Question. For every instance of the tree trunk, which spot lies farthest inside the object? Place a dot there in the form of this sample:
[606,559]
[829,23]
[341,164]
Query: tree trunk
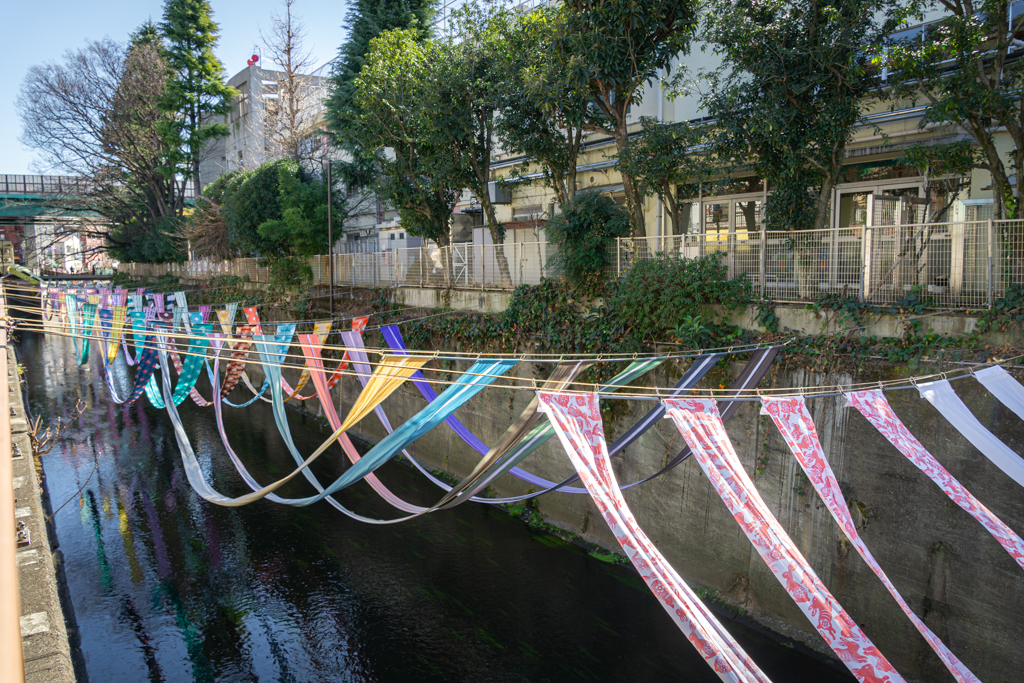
[498,237]
[634,199]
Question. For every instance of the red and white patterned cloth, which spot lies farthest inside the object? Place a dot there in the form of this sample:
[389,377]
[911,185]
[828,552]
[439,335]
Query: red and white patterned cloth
[576,419]
[790,415]
[359,324]
[253,318]
[875,407]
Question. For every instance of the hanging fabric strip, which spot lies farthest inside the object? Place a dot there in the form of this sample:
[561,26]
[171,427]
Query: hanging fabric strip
[576,419]
[1003,386]
[204,312]
[225,322]
[89,313]
[874,406]
[699,422]
[359,324]
[158,301]
[321,330]
[793,420]
[239,354]
[147,359]
[139,335]
[179,314]
[194,359]
[560,377]
[941,395]
[253,318]
[116,330]
[240,467]
[393,337]
[106,318]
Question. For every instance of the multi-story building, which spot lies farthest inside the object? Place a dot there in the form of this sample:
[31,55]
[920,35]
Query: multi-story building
[256,131]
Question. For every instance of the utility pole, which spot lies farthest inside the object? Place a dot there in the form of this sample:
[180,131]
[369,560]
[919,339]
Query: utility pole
[330,219]
[330,231]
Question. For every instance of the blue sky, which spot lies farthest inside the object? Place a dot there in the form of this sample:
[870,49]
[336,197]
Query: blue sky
[38,32]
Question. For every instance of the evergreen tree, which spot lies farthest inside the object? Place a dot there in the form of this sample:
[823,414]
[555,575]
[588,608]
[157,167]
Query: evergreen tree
[146,34]
[196,90]
[366,20]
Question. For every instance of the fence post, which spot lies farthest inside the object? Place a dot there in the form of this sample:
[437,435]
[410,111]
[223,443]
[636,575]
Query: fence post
[991,284]
[421,265]
[764,257]
[618,257]
[865,255]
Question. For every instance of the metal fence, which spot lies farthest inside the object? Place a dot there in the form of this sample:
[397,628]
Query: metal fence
[952,265]
[460,266]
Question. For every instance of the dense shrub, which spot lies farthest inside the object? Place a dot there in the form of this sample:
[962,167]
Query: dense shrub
[252,198]
[582,233]
[668,298]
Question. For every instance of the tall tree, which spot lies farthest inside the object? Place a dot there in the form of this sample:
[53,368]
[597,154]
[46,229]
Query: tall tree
[367,19]
[95,116]
[796,77]
[195,91]
[462,93]
[393,98]
[966,68]
[610,50]
[291,112]
[663,163]
[540,114]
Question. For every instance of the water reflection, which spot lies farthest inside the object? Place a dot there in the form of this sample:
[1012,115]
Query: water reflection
[166,587]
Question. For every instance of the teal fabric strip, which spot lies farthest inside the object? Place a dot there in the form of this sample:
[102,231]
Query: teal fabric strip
[194,360]
[481,374]
[285,333]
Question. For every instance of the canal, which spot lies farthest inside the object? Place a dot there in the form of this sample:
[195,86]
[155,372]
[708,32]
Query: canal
[166,587]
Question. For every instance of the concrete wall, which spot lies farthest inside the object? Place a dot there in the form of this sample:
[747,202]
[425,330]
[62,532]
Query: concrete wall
[948,568]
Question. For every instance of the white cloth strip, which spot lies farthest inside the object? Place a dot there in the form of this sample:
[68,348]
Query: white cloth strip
[941,395]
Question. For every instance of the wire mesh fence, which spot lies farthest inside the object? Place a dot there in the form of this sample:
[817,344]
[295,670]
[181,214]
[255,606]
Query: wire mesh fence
[948,265]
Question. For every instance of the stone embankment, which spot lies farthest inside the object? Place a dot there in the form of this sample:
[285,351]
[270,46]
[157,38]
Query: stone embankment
[44,633]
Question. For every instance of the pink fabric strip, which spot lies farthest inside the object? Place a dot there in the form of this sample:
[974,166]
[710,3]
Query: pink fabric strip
[875,407]
[790,415]
[701,425]
[576,419]
[309,343]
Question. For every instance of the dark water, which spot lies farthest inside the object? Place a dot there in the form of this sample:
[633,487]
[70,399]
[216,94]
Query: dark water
[166,587]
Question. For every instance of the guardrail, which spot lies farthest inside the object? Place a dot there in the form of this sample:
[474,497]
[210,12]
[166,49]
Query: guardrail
[11,655]
[953,265]
[460,266]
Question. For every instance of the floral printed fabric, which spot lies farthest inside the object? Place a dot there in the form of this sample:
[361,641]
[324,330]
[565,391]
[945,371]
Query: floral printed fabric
[875,407]
[577,421]
[791,417]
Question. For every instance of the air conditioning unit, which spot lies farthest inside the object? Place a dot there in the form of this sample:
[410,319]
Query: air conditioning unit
[499,194]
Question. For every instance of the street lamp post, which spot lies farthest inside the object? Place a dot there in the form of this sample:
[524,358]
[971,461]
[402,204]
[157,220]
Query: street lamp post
[330,232]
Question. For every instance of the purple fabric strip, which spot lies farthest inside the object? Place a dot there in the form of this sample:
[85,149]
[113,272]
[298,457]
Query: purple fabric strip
[393,337]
